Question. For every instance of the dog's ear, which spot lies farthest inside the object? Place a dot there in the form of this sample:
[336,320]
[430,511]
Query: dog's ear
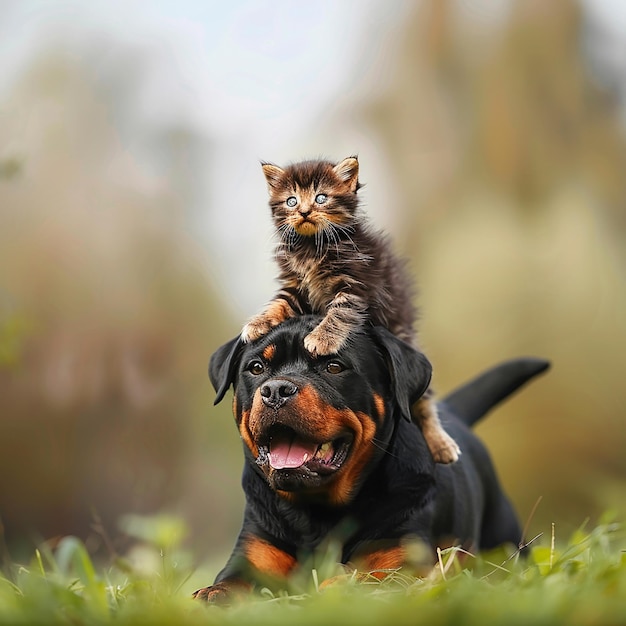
[223,366]
[409,369]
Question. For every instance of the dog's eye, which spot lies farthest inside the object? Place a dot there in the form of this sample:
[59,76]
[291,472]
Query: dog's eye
[320,198]
[256,368]
[334,367]
[292,201]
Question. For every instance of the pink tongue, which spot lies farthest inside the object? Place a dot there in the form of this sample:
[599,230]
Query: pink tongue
[288,452]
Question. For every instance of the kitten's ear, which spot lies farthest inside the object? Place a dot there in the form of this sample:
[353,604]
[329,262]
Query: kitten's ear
[274,176]
[348,172]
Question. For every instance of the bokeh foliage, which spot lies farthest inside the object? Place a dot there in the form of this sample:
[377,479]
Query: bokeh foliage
[506,155]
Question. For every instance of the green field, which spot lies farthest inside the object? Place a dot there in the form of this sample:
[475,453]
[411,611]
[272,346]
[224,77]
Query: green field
[575,580]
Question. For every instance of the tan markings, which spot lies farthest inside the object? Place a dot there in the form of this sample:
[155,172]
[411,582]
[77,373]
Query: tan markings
[244,431]
[269,352]
[235,406]
[327,423]
[287,495]
[267,558]
[314,418]
[386,559]
[342,489]
[379,403]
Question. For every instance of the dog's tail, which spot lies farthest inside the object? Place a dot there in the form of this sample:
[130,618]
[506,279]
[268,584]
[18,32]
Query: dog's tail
[476,398]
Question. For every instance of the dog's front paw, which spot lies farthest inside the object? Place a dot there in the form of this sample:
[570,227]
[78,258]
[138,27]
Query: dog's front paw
[321,343]
[223,593]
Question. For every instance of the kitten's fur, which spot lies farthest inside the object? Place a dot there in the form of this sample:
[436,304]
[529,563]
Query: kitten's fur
[333,263]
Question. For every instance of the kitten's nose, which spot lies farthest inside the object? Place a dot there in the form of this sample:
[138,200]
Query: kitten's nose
[304,210]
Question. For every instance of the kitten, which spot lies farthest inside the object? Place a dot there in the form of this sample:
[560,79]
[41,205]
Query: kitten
[333,263]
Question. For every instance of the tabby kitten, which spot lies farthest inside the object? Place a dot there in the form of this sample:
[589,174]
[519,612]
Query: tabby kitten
[333,263]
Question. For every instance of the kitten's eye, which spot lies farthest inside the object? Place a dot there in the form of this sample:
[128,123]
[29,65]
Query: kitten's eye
[320,198]
[334,367]
[256,367]
[292,201]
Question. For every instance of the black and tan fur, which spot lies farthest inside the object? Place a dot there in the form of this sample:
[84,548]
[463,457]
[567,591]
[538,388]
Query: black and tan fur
[369,481]
[332,263]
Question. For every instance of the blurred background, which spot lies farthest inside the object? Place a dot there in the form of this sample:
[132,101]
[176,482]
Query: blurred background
[135,236]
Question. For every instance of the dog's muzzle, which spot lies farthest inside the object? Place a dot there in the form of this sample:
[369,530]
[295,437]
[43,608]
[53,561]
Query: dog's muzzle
[276,393]
[291,454]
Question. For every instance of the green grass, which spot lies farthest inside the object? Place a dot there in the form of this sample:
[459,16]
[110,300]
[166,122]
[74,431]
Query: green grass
[580,580]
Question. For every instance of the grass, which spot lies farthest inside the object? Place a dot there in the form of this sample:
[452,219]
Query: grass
[578,581]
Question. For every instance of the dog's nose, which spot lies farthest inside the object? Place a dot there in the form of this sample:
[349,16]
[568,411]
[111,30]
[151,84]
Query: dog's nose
[276,392]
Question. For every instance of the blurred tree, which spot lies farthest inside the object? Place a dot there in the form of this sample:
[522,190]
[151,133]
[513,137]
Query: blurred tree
[509,160]
[108,411]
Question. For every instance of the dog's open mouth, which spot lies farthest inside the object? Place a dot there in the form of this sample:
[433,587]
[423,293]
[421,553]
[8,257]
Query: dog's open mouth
[299,462]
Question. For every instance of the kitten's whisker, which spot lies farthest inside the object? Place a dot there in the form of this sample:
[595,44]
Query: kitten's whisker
[318,243]
[345,231]
[284,231]
[347,228]
[384,447]
[327,230]
[332,235]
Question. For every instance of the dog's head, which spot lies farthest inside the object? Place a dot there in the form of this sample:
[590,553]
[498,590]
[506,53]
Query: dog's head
[315,426]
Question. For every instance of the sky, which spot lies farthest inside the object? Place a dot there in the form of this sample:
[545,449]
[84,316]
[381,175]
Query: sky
[260,79]
[248,61]
[263,79]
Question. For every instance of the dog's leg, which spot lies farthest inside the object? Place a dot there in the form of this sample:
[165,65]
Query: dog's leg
[370,563]
[380,563]
[253,560]
[443,447]
[223,592]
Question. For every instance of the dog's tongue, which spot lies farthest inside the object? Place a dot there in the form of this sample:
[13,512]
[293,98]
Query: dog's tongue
[288,451]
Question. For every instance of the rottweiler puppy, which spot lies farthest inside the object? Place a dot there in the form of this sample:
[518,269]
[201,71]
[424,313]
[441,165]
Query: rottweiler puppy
[330,447]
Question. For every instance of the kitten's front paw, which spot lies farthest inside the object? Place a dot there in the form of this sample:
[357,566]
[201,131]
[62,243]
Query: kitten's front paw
[320,343]
[444,449]
[255,329]
[276,313]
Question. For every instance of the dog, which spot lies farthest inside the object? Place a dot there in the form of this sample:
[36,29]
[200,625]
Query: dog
[329,444]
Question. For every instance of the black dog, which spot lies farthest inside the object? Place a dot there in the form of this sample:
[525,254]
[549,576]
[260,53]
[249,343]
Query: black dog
[329,444]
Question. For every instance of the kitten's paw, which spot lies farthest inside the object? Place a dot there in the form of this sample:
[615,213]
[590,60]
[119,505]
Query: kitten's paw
[276,313]
[255,329]
[321,343]
[444,449]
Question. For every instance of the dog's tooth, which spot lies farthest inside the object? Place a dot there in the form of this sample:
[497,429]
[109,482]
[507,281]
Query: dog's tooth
[323,450]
